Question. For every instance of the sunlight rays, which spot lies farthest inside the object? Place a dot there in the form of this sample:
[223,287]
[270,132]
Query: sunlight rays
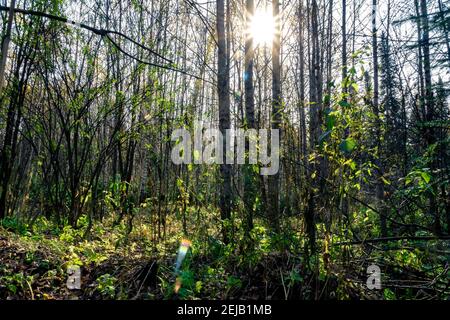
[262,27]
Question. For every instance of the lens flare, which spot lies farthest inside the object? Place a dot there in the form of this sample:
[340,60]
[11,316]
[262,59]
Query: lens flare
[182,251]
[262,27]
[184,247]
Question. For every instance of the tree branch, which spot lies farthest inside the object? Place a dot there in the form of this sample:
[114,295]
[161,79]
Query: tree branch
[388,239]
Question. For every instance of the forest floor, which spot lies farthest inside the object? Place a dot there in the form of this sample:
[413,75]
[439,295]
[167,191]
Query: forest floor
[116,264]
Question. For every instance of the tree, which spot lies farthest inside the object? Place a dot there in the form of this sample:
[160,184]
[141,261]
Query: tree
[5,42]
[430,137]
[378,121]
[249,178]
[223,88]
[344,45]
[315,119]
[277,105]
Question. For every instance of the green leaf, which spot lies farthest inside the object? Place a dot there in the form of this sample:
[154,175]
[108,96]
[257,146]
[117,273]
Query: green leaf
[331,121]
[12,288]
[348,145]
[385,181]
[352,165]
[344,104]
[388,294]
[425,176]
[198,286]
[407,181]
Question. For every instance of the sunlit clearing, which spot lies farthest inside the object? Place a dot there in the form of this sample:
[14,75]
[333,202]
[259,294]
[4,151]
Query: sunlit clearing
[262,27]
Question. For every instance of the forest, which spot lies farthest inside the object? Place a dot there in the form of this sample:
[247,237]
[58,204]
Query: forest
[227,149]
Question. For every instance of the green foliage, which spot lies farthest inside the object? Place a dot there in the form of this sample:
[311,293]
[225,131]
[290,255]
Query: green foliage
[348,145]
[233,284]
[294,278]
[15,224]
[92,183]
[419,178]
[17,281]
[71,235]
[189,286]
[106,285]
[388,294]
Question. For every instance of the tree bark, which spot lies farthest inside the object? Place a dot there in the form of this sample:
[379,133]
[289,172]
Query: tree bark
[223,86]
[5,44]
[344,45]
[249,179]
[378,131]
[303,140]
[430,135]
[274,180]
[445,28]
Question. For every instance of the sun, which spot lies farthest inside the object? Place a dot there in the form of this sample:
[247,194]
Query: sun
[262,27]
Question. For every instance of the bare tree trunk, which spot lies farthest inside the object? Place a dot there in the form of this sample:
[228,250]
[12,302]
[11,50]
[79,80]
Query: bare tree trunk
[315,78]
[420,63]
[315,118]
[378,131]
[249,179]
[274,180]
[303,140]
[445,28]
[426,60]
[375,62]
[223,87]
[5,44]
[344,45]
[430,135]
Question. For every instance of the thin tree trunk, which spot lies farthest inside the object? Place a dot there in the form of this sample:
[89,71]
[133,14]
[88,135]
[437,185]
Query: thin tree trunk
[274,180]
[344,45]
[430,135]
[445,28]
[378,131]
[5,44]
[249,179]
[223,87]
[303,140]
